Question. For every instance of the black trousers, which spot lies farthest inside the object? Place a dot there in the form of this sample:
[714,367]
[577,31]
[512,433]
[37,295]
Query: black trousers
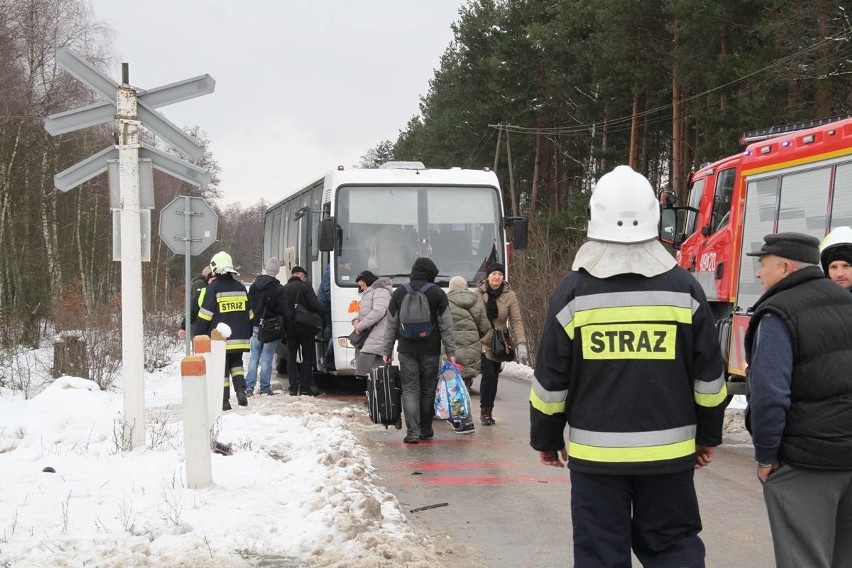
[655,515]
[234,369]
[300,381]
[488,382]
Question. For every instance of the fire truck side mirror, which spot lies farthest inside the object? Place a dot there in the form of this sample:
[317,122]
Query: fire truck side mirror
[668,226]
[668,198]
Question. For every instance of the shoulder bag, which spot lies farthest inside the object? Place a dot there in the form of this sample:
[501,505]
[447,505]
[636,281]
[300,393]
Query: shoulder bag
[358,340]
[305,322]
[501,344]
[271,326]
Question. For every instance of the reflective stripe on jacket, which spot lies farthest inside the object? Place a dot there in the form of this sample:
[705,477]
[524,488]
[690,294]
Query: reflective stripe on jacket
[633,366]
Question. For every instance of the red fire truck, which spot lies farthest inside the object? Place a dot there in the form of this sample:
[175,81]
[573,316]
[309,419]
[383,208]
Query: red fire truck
[795,178]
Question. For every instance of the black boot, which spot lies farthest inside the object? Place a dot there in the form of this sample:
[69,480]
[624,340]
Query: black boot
[226,395]
[240,390]
[485,416]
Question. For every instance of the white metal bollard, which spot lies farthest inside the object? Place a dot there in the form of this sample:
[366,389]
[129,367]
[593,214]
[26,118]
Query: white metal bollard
[216,373]
[196,425]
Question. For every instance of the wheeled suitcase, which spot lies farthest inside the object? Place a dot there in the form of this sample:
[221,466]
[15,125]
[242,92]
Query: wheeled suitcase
[384,396]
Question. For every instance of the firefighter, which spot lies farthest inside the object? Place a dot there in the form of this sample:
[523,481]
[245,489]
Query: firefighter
[226,301]
[836,256]
[629,360]
[196,301]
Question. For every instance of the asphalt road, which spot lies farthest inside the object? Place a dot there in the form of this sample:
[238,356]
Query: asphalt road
[496,506]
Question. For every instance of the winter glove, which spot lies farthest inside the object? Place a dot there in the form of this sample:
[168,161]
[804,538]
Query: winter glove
[522,353]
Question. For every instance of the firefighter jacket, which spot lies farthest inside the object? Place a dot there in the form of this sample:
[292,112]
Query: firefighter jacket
[818,316]
[632,365]
[194,306]
[226,301]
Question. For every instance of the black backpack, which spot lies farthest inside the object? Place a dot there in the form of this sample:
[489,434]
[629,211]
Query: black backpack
[415,316]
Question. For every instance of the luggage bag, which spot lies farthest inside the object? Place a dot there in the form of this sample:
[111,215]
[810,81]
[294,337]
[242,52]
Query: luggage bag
[384,396]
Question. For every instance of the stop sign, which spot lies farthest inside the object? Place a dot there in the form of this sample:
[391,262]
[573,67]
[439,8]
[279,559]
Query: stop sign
[188,219]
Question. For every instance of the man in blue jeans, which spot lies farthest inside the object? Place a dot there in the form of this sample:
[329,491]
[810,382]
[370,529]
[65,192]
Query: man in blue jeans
[262,353]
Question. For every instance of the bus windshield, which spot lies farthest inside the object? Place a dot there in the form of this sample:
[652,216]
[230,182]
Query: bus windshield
[384,229]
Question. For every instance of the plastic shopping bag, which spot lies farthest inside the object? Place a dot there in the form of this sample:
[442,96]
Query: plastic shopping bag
[452,401]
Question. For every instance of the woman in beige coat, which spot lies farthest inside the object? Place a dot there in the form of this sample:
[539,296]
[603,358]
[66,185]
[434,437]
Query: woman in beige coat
[502,309]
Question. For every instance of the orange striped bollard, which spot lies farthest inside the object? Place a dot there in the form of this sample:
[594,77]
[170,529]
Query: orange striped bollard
[202,345]
[196,424]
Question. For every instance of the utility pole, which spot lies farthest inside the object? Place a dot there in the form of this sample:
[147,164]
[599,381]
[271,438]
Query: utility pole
[511,177]
[497,150]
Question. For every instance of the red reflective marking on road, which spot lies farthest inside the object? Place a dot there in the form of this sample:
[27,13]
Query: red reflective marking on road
[489,479]
[445,466]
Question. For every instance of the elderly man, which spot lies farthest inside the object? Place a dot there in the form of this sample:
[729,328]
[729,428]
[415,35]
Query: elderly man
[799,350]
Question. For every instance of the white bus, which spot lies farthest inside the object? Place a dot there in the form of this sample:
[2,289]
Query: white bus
[382,220]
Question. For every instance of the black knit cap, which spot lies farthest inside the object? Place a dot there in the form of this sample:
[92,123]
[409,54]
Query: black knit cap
[298,269]
[792,246]
[367,276]
[497,267]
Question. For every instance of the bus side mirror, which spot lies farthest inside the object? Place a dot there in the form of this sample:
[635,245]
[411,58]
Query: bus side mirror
[520,229]
[327,234]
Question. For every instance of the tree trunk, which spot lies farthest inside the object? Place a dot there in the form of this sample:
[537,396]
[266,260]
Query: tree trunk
[677,164]
[48,203]
[555,203]
[824,93]
[5,222]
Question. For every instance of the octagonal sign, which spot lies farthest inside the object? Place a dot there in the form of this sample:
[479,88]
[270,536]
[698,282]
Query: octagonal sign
[188,219]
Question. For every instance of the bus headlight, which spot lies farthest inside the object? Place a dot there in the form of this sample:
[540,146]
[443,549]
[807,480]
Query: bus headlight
[343,341]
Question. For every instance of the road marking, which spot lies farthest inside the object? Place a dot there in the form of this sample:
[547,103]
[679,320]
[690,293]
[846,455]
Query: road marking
[468,473]
[486,479]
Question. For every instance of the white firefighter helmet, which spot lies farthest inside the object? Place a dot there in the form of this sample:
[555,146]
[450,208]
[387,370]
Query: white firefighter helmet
[838,240]
[623,208]
[221,263]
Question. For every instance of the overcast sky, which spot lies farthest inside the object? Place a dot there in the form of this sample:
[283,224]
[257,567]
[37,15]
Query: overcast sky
[301,85]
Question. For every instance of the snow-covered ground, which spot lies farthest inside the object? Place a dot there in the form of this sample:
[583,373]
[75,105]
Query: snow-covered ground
[298,490]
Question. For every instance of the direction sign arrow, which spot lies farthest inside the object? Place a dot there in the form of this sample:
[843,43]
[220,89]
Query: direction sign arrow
[104,111]
[181,169]
[87,74]
[179,91]
[85,170]
[78,118]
